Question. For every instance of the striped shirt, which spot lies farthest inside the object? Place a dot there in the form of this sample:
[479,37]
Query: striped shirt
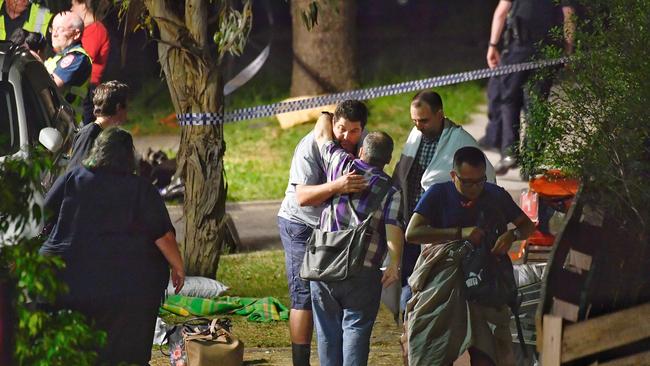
[338,214]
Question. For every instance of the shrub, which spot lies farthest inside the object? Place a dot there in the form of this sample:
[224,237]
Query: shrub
[596,125]
[41,337]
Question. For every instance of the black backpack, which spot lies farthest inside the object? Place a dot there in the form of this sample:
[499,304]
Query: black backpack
[489,279]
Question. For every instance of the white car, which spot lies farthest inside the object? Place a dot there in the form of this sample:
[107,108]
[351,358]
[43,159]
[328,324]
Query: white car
[32,112]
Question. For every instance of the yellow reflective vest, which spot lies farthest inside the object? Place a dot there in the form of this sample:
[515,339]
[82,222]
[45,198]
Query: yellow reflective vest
[38,21]
[71,92]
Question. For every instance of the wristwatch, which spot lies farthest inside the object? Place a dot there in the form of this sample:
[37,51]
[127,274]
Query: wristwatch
[517,234]
[493,44]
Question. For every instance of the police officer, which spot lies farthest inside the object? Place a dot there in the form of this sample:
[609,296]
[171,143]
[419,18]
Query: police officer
[16,14]
[70,67]
[528,25]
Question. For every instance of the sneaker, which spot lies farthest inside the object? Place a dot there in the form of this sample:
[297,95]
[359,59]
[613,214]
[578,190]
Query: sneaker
[485,145]
[506,163]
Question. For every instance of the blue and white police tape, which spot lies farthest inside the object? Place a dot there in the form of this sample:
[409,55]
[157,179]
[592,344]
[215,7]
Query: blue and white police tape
[204,119]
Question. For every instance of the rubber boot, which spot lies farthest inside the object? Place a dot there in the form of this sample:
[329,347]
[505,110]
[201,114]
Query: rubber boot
[300,354]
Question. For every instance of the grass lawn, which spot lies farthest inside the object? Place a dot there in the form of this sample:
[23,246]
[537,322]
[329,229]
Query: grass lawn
[260,274]
[257,274]
[259,152]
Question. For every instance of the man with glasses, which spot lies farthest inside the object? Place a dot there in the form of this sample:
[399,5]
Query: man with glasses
[459,210]
[426,159]
[71,66]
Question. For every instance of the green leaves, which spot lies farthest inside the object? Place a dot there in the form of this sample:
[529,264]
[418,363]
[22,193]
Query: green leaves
[42,337]
[233,30]
[595,125]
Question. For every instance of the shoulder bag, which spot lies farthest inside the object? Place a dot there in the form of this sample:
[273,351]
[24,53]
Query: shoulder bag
[336,255]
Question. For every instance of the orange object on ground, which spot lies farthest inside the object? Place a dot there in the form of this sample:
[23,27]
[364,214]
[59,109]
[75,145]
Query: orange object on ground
[554,184]
[170,120]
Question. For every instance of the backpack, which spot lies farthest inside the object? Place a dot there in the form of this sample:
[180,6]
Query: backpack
[489,279]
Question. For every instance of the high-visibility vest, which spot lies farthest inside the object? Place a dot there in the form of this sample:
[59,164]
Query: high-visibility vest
[78,92]
[38,21]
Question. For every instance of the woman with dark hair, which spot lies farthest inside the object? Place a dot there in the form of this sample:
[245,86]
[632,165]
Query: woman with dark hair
[96,41]
[113,231]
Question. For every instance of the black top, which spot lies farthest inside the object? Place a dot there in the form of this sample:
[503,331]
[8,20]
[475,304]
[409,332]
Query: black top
[106,226]
[535,18]
[12,24]
[83,143]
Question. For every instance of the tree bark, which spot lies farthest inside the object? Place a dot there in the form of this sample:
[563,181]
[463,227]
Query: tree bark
[195,85]
[324,59]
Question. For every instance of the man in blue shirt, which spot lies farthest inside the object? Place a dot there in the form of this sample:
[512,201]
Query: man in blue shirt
[458,210]
[71,66]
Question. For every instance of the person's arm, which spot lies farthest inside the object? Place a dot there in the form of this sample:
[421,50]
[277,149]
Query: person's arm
[498,23]
[569,28]
[323,130]
[420,232]
[57,80]
[54,199]
[525,227]
[395,241]
[169,248]
[315,195]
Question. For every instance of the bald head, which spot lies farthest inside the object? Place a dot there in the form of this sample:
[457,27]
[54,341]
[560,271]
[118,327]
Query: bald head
[67,28]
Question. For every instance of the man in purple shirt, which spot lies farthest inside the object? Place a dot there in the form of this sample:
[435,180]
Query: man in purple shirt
[345,311]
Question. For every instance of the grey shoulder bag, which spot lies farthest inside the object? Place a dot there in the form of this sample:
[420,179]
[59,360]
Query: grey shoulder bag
[336,255]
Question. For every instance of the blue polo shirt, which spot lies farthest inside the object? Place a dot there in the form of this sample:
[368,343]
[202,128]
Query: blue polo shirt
[73,68]
[444,207]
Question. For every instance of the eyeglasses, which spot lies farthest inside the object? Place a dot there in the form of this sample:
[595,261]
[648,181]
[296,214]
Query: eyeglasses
[60,30]
[468,183]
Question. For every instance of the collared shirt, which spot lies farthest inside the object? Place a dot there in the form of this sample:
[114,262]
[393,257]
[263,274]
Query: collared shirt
[12,24]
[338,215]
[74,67]
[306,169]
[425,153]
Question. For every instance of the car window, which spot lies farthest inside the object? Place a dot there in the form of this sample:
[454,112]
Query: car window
[38,111]
[9,134]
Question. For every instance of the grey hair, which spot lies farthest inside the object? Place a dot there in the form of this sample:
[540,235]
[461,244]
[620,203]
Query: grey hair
[75,21]
[113,150]
[378,148]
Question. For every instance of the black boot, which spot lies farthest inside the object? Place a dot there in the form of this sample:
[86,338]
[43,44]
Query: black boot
[300,354]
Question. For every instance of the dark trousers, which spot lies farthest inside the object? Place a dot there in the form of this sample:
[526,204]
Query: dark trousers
[129,323]
[493,129]
[508,95]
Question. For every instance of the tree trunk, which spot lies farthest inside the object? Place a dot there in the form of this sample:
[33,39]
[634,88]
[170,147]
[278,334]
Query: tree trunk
[195,86]
[324,59]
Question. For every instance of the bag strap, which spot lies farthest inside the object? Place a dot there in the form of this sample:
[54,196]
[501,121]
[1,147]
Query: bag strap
[520,332]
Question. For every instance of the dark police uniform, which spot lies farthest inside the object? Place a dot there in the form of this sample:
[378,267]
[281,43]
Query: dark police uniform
[528,25]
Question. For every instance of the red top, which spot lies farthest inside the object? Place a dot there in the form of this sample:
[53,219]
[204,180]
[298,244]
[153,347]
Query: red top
[96,42]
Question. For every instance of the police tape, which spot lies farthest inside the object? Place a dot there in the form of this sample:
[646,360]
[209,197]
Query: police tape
[205,119]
